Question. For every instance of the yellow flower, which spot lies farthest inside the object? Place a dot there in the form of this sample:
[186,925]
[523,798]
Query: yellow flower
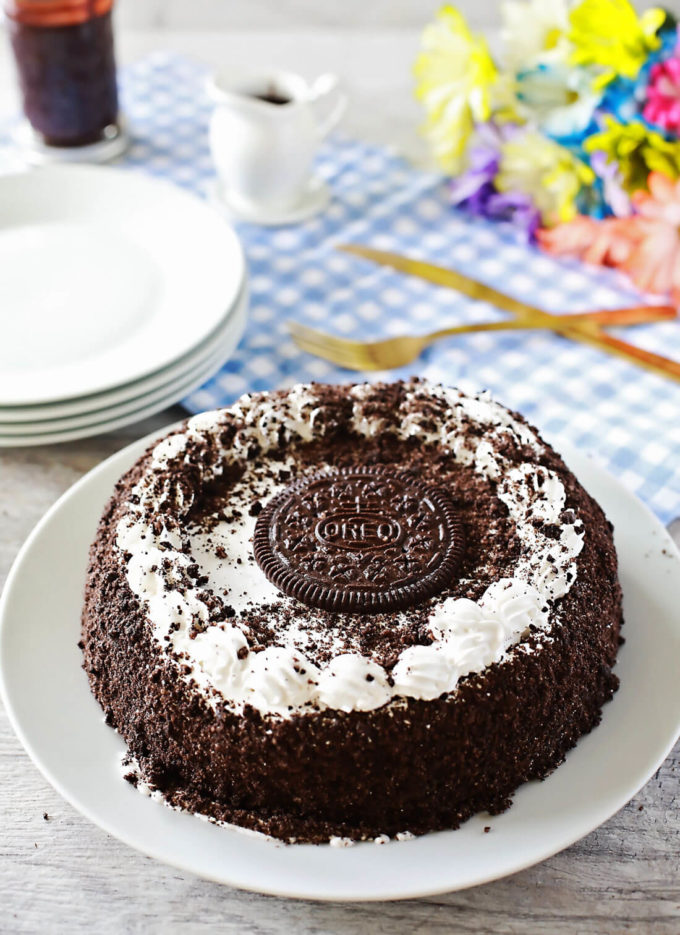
[534,31]
[537,166]
[637,150]
[455,75]
[609,34]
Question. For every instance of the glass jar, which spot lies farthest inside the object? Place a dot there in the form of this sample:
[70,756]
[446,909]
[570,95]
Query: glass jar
[67,71]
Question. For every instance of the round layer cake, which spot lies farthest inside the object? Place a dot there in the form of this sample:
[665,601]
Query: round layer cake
[338,612]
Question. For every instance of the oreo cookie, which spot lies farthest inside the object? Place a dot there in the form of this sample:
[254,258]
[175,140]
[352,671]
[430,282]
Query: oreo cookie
[362,540]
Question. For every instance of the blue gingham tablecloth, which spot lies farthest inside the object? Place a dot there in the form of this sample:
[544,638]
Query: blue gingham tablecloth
[629,419]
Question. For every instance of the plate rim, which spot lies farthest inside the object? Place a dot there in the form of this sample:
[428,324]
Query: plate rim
[188,384]
[133,177]
[124,458]
[232,325]
[135,388]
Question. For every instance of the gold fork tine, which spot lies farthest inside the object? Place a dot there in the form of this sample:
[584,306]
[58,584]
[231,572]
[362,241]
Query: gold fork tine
[316,342]
[347,362]
[339,351]
[384,354]
[327,353]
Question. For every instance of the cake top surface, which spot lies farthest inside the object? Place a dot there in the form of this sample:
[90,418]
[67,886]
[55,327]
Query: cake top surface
[348,547]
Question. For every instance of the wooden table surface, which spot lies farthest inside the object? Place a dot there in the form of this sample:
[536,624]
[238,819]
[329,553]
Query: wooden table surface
[61,874]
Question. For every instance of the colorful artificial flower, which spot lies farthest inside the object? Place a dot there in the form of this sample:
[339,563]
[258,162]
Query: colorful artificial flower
[576,141]
[561,100]
[605,243]
[611,180]
[483,157]
[645,245]
[515,208]
[455,77]
[637,150]
[551,175]
[610,35]
[661,202]
[534,32]
[475,190]
[624,98]
[654,265]
[663,95]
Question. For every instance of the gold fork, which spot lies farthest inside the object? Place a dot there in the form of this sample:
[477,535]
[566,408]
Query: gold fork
[390,353]
[398,351]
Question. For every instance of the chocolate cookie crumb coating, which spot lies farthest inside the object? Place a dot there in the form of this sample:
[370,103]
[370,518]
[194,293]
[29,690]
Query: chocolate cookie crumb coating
[305,723]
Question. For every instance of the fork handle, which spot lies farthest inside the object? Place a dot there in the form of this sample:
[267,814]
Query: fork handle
[593,334]
[662,366]
[528,321]
[635,315]
[590,334]
[479,291]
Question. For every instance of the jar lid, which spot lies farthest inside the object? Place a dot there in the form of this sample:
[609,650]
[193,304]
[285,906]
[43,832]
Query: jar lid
[55,12]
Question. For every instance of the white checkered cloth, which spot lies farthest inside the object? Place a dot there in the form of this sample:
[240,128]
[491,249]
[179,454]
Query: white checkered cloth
[629,419]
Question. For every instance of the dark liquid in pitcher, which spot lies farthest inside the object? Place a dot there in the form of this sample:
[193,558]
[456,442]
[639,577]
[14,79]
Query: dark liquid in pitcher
[67,75]
[271,97]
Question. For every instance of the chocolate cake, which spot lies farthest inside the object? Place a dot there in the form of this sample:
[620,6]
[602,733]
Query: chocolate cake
[344,612]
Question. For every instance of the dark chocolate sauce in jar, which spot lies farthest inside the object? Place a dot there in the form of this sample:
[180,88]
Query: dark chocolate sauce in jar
[67,72]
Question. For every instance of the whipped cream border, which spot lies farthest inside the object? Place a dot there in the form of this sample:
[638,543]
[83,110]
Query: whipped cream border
[467,636]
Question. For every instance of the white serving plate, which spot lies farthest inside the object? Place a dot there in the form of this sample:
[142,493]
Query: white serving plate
[60,724]
[107,276]
[210,358]
[83,426]
[133,390]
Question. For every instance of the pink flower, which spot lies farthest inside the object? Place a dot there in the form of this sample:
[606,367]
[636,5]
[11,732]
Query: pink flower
[605,243]
[663,95]
[662,200]
[646,245]
[654,264]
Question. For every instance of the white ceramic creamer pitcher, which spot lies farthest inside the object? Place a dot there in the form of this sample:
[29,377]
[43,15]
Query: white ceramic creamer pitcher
[264,134]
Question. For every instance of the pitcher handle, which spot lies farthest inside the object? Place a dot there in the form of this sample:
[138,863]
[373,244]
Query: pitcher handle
[327,93]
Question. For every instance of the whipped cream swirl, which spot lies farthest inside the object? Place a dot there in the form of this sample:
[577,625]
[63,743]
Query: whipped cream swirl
[467,636]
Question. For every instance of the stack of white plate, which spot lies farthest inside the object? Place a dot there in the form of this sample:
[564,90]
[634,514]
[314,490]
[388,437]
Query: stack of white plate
[119,295]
